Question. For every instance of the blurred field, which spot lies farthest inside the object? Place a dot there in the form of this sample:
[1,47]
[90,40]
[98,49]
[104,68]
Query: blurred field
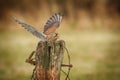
[95,55]
[91,29]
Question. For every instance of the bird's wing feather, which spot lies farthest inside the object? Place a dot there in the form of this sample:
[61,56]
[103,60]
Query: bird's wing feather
[55,19]
[31,30]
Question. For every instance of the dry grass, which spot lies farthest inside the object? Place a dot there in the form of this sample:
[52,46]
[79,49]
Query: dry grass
[94,54]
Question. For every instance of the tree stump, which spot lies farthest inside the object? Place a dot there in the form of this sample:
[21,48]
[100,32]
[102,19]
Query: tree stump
[48,60]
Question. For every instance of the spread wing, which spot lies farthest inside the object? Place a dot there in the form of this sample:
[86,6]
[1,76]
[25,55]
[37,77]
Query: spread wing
[53,23]
[31,30]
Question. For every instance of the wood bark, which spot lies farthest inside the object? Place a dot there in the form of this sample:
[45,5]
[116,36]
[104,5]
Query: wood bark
[48,60]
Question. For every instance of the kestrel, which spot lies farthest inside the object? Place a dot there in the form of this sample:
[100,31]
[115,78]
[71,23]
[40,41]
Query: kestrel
[49,29]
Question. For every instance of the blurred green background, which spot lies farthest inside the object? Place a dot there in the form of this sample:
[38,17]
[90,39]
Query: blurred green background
[91,29]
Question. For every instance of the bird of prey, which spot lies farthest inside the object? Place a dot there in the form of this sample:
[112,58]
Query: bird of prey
[49,29]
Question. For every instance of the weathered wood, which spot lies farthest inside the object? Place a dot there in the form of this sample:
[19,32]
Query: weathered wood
[48,60]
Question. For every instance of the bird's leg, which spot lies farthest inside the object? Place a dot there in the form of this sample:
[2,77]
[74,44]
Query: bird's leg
[49,37]
[56,36]
[30,59]
[52,37]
